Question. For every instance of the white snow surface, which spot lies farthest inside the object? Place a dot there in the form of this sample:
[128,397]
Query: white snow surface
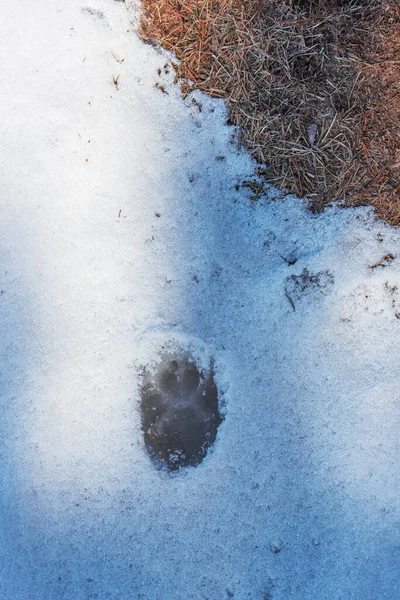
[122,229]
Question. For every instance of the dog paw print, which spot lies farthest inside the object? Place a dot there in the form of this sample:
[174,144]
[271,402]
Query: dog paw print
[179,411]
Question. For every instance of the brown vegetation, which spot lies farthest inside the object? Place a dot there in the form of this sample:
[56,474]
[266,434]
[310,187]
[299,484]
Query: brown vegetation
[312,85]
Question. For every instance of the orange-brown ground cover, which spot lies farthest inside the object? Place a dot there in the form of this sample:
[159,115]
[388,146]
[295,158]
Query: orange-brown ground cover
[312,85]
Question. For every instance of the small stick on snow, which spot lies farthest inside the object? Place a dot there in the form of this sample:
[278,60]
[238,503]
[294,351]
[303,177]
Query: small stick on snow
[117,59]
[382,263]
[290,300]
[115,80]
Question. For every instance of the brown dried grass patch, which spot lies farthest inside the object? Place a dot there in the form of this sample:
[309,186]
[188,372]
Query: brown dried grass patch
[312,85]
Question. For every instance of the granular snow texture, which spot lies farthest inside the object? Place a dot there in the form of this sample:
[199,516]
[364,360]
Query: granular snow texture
[122,230]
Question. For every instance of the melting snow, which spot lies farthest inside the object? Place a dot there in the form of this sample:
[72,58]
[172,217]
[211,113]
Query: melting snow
[123,229]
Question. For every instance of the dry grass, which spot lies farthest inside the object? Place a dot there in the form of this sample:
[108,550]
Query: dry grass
[313,86]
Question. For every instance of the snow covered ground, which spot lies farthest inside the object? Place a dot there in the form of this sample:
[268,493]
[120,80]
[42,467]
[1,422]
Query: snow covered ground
[121,229]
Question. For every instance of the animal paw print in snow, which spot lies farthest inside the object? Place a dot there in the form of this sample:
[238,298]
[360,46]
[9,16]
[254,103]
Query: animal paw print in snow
[180,414]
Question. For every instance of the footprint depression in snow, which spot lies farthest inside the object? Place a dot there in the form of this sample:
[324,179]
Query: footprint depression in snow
[180,413]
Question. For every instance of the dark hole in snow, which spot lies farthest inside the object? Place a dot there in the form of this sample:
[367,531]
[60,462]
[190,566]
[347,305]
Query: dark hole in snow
[180,413]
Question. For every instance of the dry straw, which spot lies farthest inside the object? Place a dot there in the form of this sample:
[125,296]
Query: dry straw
[312,85]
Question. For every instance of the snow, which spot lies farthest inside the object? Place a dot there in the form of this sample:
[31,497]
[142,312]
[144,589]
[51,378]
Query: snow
[110,248]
